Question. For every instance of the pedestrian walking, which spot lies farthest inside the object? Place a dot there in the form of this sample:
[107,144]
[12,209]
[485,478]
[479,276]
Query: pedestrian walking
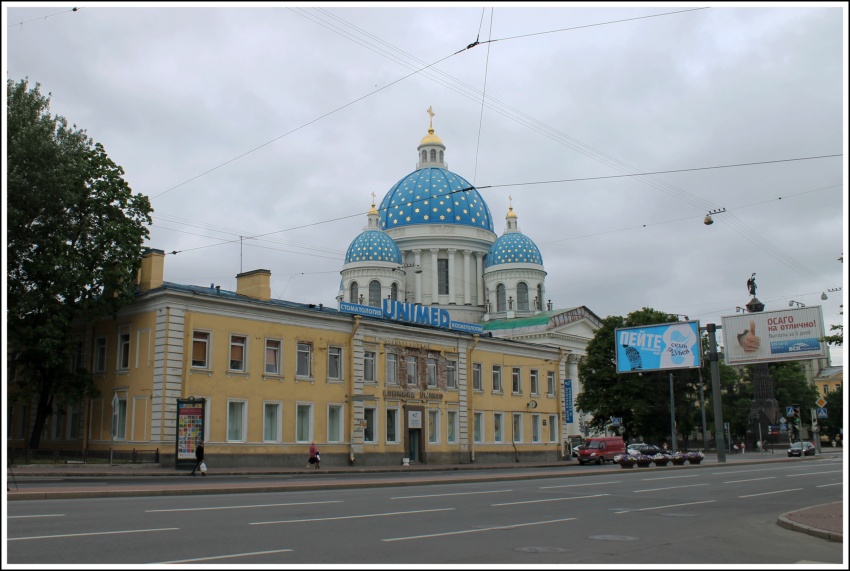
[199,456]
[315,458]
[743,447]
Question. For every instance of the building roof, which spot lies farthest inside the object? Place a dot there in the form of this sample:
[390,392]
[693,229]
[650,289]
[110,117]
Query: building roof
[513,248]
[373,246]
[831,374]
[544,320]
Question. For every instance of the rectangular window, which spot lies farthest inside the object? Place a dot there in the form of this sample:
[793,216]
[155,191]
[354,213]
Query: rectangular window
[335,363]
[477,427]
[334,423]
[392,425]
[535,383]
[303,423]
[443,276]
[273,356]
[431,372]
[497,379]
[119,419]
[433,426]
[451,374]
[73,431]
[369,367]
[516,380]
[550,383]
[238,344]
[517,427]
[200,349]
[412,371]
[392,369]
[477,384]
[535,428]
[304,360]
[22,421]
[498,436]
[826,390]
[236,419]
[369,415]
[124,351]
[451,427]
[99,365]
[271,422]
[553,428]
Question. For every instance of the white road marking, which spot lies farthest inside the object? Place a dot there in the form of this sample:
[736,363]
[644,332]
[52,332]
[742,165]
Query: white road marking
[479,530]
[668,488]
[665,507]
[768,493]
[578,485]
[245,507]
[670,477]
[455,494]
[350,517]
[814,473]
[750,480]
[95,533]
[43,515]
[825,485]
[247,554]
[549,500]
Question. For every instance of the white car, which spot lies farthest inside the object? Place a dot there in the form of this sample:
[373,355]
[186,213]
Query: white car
[633,449]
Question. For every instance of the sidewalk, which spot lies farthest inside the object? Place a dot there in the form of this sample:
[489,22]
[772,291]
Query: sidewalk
[824,521]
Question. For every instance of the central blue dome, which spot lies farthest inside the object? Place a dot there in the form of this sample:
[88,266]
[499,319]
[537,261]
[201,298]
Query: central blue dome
[433,195]
[513,248]
[373,246]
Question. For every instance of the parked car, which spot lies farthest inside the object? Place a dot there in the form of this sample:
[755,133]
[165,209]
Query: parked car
[576,450]
[808,449]
[601,449]
[651,450]
[633,448]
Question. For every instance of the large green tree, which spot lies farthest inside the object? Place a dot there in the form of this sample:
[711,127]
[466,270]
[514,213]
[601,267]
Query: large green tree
[75,235]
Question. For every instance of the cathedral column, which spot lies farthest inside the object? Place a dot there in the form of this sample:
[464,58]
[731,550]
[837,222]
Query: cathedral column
[435,298]
[479,276]
[417,276]
[452,280]
[467,298]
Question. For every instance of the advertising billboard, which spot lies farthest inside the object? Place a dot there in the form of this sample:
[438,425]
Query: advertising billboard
[658,347]
[785,335]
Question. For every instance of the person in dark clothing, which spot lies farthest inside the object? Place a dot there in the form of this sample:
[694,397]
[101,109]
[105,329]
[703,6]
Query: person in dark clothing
[199,456]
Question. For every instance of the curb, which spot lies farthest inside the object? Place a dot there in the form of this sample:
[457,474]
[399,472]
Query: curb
[783,521]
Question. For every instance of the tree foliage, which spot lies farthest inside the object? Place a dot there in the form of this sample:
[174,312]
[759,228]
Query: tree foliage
[74,242]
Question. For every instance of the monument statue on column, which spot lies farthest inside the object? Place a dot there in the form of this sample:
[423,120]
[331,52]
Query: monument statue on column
[764,409]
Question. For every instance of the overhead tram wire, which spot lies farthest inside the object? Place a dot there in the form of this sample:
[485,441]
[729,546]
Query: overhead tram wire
[483,95]
[43,18]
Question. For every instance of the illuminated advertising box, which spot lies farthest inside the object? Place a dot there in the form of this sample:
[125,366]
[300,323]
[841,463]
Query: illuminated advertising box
[785,335]
[658,347]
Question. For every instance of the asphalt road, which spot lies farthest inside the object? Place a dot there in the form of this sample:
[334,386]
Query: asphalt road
[724,514]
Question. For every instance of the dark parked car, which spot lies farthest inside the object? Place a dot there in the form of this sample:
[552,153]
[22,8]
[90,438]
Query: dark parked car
[651,450]
[808,449]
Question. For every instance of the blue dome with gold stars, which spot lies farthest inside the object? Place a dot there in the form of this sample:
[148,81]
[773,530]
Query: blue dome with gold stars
[434,195]
[373,246]
[513,248]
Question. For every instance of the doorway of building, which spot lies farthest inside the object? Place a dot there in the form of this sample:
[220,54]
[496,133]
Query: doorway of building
[413,441]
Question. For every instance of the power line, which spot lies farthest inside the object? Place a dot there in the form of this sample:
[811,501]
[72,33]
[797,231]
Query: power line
[42,18]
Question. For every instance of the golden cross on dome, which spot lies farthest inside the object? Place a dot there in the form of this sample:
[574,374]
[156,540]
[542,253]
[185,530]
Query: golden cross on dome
[510,201]
[373,198]
[431,113]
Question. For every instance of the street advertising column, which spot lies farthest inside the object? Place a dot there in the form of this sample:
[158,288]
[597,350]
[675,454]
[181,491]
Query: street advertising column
[190,431]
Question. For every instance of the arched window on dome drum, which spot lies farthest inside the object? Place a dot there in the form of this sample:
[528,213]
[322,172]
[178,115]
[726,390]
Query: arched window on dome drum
[522,296]
[375,293]
[424,155]
[441,156]
[433,156]
[394,292]
[353,292]
[540,297]
[500,298]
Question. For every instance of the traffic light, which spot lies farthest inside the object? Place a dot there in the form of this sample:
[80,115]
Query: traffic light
[797,417]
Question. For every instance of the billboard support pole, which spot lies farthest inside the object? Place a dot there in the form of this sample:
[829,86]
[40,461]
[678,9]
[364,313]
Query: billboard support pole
[711,328]
[702,410]
[672,415]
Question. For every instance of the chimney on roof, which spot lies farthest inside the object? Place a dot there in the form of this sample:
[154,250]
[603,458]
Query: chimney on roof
[152,269]
[255,284]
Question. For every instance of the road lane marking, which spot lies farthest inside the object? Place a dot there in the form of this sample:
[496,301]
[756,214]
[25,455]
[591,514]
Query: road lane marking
[350,517]
[245,507]
[786,468]
[750,480]
[548,500]
[825,485]
[247,554]
[671,477]
[665,507]
[478,530]
[578,485]
[43,515]
[94,533]
[454,494]
[768,493]
[814,473]
[668,488]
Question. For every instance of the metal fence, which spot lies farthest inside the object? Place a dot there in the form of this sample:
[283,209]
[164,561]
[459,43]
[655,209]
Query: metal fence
[37,456]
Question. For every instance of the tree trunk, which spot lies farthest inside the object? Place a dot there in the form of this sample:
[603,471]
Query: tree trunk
[45,404]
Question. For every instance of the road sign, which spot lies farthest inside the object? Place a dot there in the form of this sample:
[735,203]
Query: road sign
[616,421]
[821,402]
[821,412]
[783,427]
[783,420]
[789,410]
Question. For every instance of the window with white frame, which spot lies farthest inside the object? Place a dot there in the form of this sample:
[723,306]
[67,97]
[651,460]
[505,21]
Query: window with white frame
[497,378]
[535,428]
[451,374]
[371,430]
[335,423]
[451,426]
[443,277]
[335,363]
[498,422]
[237,420]
[517,427]
[238,346]
[272,417]
[553,428]
[477,427]
[522,296]
[369,367]
[303,422]
[124,349]
[550,383]
[201,349]
[392,369]
[375,293]
[99,364]
[304,360]
[392,426]
[433,426]
[119,418]
[354,293]
[516,380]
[431,372]
[273,353]
[535,382]
[477,384]
[412,370]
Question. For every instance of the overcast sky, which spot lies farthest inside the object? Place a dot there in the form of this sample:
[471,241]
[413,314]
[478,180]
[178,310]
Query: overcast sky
[277,122]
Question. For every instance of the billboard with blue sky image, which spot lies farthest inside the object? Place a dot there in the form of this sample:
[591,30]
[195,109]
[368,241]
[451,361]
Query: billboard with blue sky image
[658,347]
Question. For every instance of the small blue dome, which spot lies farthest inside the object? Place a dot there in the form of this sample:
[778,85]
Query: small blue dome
[513,248]
[373,246]
[432,195]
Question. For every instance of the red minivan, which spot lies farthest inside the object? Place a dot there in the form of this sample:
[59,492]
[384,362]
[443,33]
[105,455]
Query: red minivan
[601,449]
